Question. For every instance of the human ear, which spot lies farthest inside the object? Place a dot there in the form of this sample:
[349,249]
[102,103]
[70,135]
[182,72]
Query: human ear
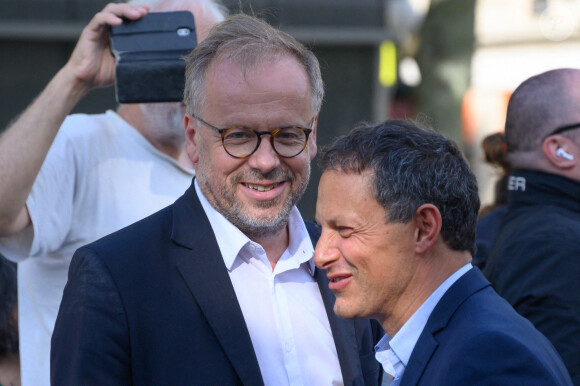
[428,224]
[555,148]
[190,138]
[312,147]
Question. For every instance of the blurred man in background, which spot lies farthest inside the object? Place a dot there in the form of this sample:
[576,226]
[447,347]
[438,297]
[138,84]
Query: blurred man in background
[68,180]
[534,261]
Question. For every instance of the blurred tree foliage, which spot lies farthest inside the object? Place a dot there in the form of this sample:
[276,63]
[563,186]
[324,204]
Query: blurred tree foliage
[445,48]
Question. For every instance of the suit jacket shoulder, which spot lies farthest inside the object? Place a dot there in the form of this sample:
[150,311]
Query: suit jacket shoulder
[166,310]
[473,336]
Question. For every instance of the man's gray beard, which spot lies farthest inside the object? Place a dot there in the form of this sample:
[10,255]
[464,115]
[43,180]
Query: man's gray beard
[251,226]
[258,227]
[167,120]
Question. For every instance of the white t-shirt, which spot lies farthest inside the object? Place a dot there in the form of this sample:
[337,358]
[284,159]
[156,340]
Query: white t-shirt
[100,175]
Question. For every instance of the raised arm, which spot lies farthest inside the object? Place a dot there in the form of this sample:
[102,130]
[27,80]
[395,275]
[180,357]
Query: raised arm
[25,143]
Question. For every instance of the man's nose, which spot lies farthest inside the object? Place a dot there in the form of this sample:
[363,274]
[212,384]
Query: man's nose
[265,157]
[325,254]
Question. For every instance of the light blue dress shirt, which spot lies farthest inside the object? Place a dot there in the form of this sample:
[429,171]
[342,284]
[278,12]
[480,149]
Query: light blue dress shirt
[394,353]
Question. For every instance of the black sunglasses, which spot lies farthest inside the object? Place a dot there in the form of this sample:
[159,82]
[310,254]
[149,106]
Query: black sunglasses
[562,129]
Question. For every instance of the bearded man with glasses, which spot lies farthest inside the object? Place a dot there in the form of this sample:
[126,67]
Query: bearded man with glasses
[534,261]
[220,287]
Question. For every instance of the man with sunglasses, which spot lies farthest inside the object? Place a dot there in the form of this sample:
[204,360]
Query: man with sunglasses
[534,261]
[220,287]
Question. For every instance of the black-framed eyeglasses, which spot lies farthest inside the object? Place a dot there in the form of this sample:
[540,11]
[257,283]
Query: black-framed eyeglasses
[562,129]
[241,142]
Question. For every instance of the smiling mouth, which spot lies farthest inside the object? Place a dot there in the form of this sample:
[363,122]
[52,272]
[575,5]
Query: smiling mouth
[261,188]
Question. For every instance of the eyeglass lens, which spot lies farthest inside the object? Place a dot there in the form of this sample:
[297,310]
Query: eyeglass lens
[287,142]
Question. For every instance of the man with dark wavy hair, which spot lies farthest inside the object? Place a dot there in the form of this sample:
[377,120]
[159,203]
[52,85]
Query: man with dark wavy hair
[398,205]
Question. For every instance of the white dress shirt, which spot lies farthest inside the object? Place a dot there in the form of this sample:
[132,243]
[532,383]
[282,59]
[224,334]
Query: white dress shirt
[394,353]
[283,308]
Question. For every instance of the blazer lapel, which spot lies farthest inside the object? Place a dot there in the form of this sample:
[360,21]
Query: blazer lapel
[343,333]
[204,272]
[421,355]
[471,282]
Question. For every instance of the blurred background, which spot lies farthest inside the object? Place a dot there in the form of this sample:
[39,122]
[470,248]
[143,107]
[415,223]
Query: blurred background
[449,63]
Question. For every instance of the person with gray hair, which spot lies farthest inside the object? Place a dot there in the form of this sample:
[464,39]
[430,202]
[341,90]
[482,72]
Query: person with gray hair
[67,180]
[220,288]
[398,205]
[534,260]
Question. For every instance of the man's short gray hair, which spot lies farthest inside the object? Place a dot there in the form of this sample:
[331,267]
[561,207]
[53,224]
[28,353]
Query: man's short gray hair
[538,106]
[247,41]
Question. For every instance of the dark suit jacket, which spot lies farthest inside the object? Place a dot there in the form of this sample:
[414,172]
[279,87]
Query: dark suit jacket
[474,337]
[153,304]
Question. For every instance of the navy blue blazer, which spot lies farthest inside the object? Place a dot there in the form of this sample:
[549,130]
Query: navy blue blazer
[153,304]
[474,337]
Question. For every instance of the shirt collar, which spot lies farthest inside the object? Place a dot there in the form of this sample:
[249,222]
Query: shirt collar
[396,351]
[231,241]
